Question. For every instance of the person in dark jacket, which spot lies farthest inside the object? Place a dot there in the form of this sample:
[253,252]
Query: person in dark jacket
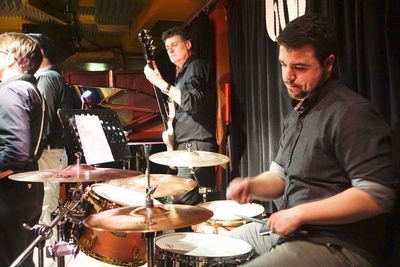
[22,123]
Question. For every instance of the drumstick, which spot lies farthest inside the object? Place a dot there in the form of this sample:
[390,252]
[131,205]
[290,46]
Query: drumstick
[251,219]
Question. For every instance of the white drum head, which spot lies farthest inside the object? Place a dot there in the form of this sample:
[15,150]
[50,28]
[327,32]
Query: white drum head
[227,209]
[121,195]
[203,245]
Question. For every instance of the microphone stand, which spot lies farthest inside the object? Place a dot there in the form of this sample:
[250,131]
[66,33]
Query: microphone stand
[44,232]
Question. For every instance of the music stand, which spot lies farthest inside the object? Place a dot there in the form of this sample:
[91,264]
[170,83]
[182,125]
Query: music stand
[110,124]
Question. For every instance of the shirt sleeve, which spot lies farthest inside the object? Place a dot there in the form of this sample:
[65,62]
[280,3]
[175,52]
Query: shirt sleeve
[365,154]
[277,169]
[384,196]
[364,150]
[193,90]
[14,131]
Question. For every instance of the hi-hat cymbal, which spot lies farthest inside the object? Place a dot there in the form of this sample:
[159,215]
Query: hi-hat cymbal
[74,174]
[160,218]
[167,185]
[186,158]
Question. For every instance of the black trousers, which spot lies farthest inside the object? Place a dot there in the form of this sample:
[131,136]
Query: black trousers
[204,176]
[19,203]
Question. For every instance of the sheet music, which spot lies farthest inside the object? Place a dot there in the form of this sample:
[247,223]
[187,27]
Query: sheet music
[94,142]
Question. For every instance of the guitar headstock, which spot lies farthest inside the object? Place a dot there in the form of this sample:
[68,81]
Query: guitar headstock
[147,43]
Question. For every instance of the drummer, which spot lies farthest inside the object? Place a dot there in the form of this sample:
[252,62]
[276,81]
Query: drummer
[22,122]
[194,93]
[333,168]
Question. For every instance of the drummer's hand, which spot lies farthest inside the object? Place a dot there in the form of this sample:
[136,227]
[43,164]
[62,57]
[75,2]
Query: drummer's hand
[154,75]
[284,222]
[238,190]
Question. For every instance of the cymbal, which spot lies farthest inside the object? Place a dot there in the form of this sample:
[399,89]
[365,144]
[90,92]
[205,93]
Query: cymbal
[185,158]
[73,174]
[161,218]
[167,185]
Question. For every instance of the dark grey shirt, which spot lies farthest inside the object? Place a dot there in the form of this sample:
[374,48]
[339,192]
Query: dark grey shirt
[195,117]
[53,88]
[335,138]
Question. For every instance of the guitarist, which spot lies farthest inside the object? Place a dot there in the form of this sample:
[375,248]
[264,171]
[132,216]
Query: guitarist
[194,95]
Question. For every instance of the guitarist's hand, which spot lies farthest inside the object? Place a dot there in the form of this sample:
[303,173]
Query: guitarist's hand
[154,76]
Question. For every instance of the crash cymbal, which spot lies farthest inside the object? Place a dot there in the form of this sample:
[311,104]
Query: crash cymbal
[167,185]
[186,158]
[73,174]
[160,218]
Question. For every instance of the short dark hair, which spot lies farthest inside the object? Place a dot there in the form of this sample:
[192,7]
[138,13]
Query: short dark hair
[310,29]
[46,45]
[25,50]
[175,31]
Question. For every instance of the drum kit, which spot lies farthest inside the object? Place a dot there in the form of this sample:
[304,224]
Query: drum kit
[119,226]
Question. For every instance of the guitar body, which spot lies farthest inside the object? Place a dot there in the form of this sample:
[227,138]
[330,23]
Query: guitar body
[167,117]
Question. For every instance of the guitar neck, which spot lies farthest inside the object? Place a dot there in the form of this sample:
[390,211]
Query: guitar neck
[161,106]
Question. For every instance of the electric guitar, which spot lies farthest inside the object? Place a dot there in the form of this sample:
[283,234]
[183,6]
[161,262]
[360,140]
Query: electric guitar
[167,117]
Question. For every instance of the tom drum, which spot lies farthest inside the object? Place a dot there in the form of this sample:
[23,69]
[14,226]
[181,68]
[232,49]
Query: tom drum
[224,218]
[124,249]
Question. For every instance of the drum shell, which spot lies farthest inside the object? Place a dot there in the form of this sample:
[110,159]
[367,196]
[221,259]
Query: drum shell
[124,249]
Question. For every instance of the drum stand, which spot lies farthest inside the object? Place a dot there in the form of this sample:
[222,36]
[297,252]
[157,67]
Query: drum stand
[44,232]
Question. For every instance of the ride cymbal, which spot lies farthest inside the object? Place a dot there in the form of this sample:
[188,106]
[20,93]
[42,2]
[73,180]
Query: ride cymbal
[167,185]
[74,174]
[188,158]
[144,220]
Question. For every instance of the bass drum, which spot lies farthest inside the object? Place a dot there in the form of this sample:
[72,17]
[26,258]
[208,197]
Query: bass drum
[123,249]
[224,218]
[197,249]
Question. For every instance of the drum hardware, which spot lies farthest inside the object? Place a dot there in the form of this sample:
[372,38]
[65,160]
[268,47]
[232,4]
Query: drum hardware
[167,184]
[43,232]
[76,173]
[117,248]
[189,158]
[147,219]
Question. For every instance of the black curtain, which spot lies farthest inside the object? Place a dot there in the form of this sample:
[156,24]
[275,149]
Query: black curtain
[259,100]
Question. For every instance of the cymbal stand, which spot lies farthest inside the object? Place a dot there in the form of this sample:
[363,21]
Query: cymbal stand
[150,245]
[43,232]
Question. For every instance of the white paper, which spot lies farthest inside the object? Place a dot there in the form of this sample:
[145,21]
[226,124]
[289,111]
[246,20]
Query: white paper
[94,142]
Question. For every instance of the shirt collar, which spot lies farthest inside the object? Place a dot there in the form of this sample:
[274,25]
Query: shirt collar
[187,62]
[21,77]
[316,96]
[47,68]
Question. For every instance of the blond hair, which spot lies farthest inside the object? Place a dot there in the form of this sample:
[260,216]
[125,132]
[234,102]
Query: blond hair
[25,50]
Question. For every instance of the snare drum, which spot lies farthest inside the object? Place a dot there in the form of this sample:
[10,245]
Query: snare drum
[197,249]
[224,218]
[114,248]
